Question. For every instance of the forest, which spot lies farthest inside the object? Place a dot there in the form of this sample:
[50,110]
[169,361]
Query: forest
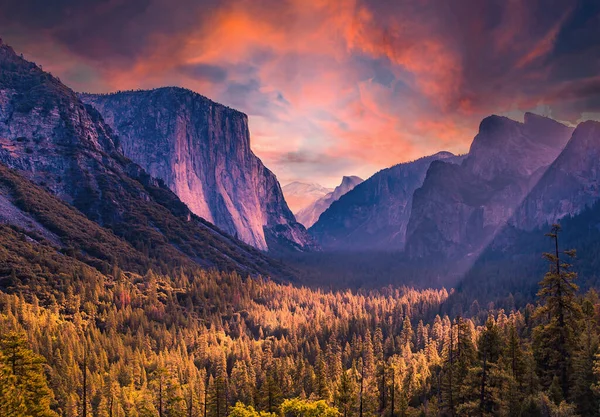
[75,341]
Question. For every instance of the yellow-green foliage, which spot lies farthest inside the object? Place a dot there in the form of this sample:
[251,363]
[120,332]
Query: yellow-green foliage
[241,410]
[296,407]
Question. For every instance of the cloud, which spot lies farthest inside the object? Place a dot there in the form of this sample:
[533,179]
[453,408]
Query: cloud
[331,88]
[207,72]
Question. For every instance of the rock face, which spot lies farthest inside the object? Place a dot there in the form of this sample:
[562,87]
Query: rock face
[459,208]
[374,215]
[300,195]
[201,150]
[309,215]
[55,140]
[570,184]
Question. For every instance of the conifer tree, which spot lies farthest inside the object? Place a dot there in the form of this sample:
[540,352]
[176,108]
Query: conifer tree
[322,382]
[582,395]
[555,339]
[407,334]
[345,395]
[217,399]
[24,390]
[513,364]
[490,347]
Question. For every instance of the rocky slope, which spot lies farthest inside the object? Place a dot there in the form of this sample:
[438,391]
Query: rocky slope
[56,141]
[570,184]
[374,215]
[309,215]
[459,208]
[300,195]
[201,150]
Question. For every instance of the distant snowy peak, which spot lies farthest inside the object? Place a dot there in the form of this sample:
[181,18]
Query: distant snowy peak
[309,215]
[300,195]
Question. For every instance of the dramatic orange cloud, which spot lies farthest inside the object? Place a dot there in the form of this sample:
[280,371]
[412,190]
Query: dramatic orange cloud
[331,88]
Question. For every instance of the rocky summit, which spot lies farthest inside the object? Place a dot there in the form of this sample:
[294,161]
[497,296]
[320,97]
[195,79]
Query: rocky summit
[569,185]
[201,150]
[300,195]
[459,208]
[50,137]
[374,215]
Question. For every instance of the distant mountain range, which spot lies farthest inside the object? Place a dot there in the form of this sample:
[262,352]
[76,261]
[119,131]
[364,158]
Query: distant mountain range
[309,215]
[300,195]
[162,178]
[567,192]
[523,175]
[374,215]
[460,208]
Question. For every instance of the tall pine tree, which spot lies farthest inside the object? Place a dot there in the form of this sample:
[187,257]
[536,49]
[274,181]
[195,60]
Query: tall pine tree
[554,339]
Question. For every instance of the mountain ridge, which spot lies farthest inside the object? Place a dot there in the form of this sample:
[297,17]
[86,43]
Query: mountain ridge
[310,214]
[373,216]
[458,209]
[57,142]
[201,150]
[300,195]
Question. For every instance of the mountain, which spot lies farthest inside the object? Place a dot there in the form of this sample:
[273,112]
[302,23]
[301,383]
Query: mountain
[300,195]
[570,184]
[52,139]
[374,215]
[509,269]
[459,208]
[201,150]
[568,194]
[309,215]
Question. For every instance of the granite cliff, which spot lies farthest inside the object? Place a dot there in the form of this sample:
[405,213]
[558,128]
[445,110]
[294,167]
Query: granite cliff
[460,208]
[570,185]
[374,215]
[50,137]
[201,150]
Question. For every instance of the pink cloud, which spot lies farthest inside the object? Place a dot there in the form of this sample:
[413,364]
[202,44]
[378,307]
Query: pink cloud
[359,83]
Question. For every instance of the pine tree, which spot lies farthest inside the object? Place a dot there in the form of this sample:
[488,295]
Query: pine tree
[217,398]
[513,364]
[513,356]
[447,385]
[271,395]
[490,347]
[459,357]
[322,387]
[241,385]
[554,339]
[345,395]
[585,399]
[407,333]
[159,378]
[23,387]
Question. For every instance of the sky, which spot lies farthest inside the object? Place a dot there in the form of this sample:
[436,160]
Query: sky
[331,88]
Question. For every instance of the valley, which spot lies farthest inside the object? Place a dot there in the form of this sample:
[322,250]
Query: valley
[152,265]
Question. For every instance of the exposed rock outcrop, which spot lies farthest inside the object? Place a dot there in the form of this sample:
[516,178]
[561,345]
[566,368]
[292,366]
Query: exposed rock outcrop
[374,215]
[201,150]
[459,208]
[569,185]
[55,140]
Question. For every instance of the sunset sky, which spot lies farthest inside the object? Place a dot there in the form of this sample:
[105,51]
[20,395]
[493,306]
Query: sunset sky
[331,88]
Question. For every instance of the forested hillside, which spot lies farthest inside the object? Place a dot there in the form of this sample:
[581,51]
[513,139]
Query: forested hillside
[75,341]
